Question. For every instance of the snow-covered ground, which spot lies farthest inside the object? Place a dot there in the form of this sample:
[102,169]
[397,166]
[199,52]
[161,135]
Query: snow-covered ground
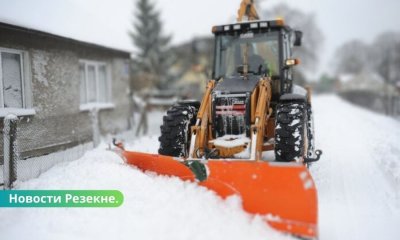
[358,178]
[358,181]
[154,207]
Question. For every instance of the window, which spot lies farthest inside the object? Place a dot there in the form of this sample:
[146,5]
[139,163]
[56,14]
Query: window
[95,85]
[15,91]
[287,54]
[260,50]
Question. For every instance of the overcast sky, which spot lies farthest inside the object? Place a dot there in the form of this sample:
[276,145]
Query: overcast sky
[107,22]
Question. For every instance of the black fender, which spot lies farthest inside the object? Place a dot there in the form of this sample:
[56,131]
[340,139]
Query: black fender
[293,97]
[189,102]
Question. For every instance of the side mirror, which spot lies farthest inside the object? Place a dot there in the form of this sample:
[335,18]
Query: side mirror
[298,37]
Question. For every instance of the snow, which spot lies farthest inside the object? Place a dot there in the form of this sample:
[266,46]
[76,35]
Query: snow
[357,176]
[231,141]
[294,122]
[146,144]
[294,111]
[155,207]
[17,111]
[162,101]
[245,154]
[299,90]
[95,106]
[358,182]
[35,166]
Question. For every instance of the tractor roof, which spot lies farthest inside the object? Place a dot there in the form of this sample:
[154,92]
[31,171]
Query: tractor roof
[250,25]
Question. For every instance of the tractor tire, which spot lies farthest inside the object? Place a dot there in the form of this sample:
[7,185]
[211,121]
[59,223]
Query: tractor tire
[175,130]
[290,131]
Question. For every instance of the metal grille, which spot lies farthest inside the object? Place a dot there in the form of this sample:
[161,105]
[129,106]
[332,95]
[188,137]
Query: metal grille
[23,159]
[10,151]
[1,159]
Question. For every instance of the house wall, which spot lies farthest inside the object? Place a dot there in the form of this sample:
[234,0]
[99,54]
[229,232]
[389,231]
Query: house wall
[54,67]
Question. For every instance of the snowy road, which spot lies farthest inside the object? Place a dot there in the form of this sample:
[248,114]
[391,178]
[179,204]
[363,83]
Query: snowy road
[358,177]
[358,181]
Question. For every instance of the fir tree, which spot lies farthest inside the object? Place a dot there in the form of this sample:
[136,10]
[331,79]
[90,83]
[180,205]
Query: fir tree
[153,56]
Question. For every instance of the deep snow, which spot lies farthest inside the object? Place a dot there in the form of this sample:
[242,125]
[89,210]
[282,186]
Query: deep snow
[358,181]
[154,207]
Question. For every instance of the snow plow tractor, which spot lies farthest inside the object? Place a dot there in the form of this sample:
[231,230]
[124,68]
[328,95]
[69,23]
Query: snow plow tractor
[252,133]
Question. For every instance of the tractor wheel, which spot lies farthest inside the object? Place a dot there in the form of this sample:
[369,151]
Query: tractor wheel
[291,131]
[175,130]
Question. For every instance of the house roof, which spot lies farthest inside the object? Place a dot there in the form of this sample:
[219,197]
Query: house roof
[4,25]
[365,81]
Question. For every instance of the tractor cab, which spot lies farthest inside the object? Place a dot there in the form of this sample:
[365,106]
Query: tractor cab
[250,50]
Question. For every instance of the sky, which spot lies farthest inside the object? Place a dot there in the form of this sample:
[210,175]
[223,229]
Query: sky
[108,22]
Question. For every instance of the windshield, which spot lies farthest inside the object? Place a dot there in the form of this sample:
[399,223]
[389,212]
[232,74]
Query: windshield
[259,51]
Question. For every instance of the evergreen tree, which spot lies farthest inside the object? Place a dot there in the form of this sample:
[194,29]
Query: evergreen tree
[153,56]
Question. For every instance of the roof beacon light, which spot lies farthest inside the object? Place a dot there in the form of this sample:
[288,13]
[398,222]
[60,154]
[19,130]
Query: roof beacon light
[280,22]
[254,25]
[263,24]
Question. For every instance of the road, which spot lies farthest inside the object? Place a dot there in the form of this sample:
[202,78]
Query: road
[359,192]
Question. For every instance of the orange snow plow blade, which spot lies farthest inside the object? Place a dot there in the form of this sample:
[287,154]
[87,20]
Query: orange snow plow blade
[282,193]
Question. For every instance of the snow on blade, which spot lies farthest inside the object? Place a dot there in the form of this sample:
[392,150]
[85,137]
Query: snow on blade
[230,141]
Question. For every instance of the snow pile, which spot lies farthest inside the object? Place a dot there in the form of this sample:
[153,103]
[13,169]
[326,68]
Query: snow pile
[154,207]
[146,144]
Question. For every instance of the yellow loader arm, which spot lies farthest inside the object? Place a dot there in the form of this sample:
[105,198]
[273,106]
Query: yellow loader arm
[248,9]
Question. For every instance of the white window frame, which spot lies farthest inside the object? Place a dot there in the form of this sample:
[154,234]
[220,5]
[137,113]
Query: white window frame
[26,85]
[87,106]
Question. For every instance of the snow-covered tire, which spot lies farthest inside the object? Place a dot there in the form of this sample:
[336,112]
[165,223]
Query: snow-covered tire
[175,130]
[290,132]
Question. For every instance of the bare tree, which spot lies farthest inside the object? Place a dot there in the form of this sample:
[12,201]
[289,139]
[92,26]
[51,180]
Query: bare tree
[352,57]
[309,52]
[397,63]
[385,61]
[381,57]
[386,55]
